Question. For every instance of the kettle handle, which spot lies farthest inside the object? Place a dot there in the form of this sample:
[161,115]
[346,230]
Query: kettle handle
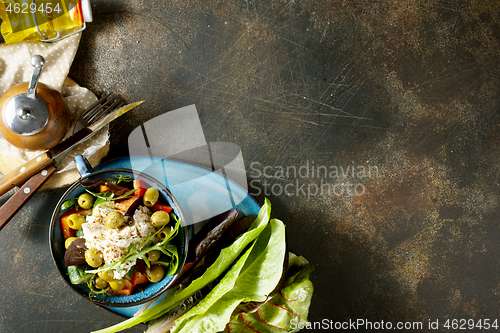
[37,61]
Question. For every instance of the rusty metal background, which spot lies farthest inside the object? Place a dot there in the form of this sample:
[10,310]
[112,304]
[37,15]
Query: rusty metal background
[406,94]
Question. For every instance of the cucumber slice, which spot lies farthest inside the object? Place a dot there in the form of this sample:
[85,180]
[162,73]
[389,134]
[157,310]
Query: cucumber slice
[77,274]
[130,272]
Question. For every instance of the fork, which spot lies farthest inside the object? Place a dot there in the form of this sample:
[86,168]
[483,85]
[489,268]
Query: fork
[97,110]
[93,113]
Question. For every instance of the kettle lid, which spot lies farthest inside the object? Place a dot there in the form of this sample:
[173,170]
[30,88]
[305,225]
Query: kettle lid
[25,115]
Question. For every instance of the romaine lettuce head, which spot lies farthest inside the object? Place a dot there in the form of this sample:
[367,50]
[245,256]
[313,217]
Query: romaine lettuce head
[253,285]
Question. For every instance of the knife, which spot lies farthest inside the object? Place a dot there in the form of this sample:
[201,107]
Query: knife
[25,192]
[56,155]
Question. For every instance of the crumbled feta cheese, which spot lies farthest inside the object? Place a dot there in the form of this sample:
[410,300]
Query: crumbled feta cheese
[113,243]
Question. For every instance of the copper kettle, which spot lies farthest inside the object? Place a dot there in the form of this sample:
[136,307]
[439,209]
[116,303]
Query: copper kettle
[32,115]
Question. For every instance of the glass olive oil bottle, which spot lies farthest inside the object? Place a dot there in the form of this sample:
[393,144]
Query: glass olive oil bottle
[42,20]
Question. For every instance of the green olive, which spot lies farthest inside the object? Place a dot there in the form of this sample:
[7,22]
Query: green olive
[151,196]
[100,283]
[153,255]
[117,285]
[160,218]
[164,234]
[155,273]
[86,200]
[108,275]
[68,241]
[75,221]
[93,257]
[114,219]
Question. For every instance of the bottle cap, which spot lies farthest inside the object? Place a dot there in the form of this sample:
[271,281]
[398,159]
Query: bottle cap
[86,10]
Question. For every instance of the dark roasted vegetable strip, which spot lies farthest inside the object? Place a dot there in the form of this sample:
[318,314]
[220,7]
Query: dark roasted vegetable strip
[228,237]
[217,225]
[206,238]
[117,189]
[75,254]
[195,269]
[97,182]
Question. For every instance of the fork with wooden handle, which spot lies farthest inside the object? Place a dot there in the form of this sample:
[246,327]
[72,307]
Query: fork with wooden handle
[39,169]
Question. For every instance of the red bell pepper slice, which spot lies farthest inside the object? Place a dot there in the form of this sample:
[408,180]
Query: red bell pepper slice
[140,184]
[103,188]
[127,289]
[129,204]
[66,230]
[139,275]
[158,206]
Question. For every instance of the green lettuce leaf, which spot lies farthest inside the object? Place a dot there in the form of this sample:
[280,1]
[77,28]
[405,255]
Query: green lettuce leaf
[69,203]
[225,260]
[251,282]
[285,312]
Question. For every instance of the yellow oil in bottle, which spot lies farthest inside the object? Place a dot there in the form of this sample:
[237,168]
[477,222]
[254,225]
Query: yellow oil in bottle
[41,20]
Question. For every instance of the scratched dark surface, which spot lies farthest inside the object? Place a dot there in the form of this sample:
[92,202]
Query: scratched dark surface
[406,94]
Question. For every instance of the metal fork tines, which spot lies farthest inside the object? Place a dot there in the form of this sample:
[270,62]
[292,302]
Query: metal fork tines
[98,110]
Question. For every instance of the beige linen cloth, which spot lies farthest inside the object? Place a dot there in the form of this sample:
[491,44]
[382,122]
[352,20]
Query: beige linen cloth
[15,67]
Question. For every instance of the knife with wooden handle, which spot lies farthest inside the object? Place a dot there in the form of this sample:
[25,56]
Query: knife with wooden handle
[18,176]
[25,192]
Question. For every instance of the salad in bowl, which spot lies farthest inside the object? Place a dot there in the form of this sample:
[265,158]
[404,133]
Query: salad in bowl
[117,236]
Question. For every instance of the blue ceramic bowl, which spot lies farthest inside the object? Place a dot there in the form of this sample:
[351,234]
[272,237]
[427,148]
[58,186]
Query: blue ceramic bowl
[56,238]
